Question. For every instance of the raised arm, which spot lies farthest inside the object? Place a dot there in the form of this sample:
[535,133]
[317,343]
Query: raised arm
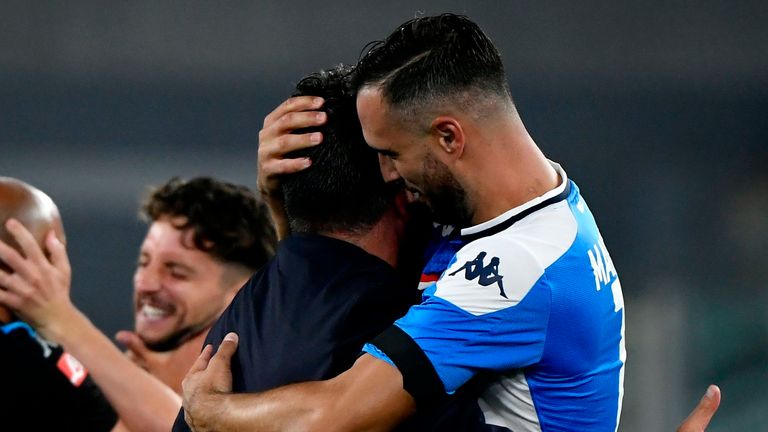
[276,140]
[367,397]
[38,291]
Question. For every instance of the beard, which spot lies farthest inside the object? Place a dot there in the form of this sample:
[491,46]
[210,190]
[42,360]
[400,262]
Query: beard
[444,195]
[178,334]
[449,205]
[173,340]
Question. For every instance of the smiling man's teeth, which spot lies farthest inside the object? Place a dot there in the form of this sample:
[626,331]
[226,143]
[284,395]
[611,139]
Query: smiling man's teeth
[152,312]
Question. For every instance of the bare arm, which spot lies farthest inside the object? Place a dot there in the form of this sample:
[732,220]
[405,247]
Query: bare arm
[38,291]
[276,141]
[368,397]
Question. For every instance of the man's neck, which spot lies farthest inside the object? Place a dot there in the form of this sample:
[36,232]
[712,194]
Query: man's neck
[509,171]
[381,240]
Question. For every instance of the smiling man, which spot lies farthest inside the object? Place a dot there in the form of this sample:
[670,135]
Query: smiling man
[205,239]
[178,288]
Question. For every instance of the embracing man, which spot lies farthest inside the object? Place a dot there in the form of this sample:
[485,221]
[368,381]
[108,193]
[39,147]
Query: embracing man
[529,305]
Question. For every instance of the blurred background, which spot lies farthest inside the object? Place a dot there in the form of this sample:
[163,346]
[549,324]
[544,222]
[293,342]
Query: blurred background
[657,109]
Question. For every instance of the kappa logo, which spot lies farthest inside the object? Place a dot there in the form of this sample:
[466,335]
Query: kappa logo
[487,274]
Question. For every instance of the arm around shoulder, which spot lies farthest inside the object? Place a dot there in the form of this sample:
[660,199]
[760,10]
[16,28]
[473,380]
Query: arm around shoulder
[369,397]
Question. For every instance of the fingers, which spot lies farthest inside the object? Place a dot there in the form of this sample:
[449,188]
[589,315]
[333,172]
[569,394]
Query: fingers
[703,413]
[58,252]
[294,120]
[132,342]
[220,368]
[227,348]
[278,167]
[294,104]
[202,360]
[7,297]
[26,241]
[277,144]
[12,289]
[12,258]
[276,140]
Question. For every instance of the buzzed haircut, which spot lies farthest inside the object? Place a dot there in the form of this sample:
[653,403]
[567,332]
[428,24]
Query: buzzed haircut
[343,190]
[227,220]
[429,59]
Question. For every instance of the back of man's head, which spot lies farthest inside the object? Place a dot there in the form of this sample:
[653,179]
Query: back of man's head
[343,190]
[227,220]
[432,60]
[33,209]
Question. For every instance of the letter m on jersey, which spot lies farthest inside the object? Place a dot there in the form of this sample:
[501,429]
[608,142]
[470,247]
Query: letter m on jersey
[605,272]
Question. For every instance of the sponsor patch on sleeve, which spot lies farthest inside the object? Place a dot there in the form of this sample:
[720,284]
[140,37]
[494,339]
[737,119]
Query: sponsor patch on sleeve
[72,369]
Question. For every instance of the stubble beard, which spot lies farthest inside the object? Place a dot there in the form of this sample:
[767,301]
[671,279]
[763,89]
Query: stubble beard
[445,196]
[175,339]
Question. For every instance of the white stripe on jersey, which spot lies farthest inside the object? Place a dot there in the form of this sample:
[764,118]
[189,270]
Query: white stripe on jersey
[508,403]
[524,250]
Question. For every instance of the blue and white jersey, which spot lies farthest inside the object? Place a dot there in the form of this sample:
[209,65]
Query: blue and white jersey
[531,299]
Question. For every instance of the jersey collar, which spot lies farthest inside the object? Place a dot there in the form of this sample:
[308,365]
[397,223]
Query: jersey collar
[506,219]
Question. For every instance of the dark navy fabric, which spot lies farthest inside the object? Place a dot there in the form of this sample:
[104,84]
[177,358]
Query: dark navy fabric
[36,395]
[306,315]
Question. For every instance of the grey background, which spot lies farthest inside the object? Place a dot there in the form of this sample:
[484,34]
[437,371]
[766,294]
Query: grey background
[657,109]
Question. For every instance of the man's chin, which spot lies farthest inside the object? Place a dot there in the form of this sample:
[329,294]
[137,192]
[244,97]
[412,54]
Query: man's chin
[167,343]
[172,341]
[451,214]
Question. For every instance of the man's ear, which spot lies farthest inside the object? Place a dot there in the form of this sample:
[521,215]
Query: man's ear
[401,204]
[449,136]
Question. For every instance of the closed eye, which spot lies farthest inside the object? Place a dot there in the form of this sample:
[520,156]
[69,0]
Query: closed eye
[179,271]
[388,153]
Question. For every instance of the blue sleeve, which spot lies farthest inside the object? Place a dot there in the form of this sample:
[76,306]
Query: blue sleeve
[459,344]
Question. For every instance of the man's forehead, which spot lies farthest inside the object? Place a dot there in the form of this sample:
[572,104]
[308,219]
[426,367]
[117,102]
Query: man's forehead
[373,118]
[370,97]
[171,234]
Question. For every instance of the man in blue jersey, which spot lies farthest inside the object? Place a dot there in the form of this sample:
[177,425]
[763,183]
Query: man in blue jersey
[530,303]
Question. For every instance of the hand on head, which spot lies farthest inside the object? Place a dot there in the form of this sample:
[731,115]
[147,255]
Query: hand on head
[276,140]
[36,274]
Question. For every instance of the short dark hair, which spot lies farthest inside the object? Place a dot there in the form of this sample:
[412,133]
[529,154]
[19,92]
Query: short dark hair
[228,221]
[343,189]
[428,59]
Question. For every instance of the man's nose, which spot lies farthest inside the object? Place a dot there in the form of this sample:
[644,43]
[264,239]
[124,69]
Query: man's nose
[145,281]
[387,167]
